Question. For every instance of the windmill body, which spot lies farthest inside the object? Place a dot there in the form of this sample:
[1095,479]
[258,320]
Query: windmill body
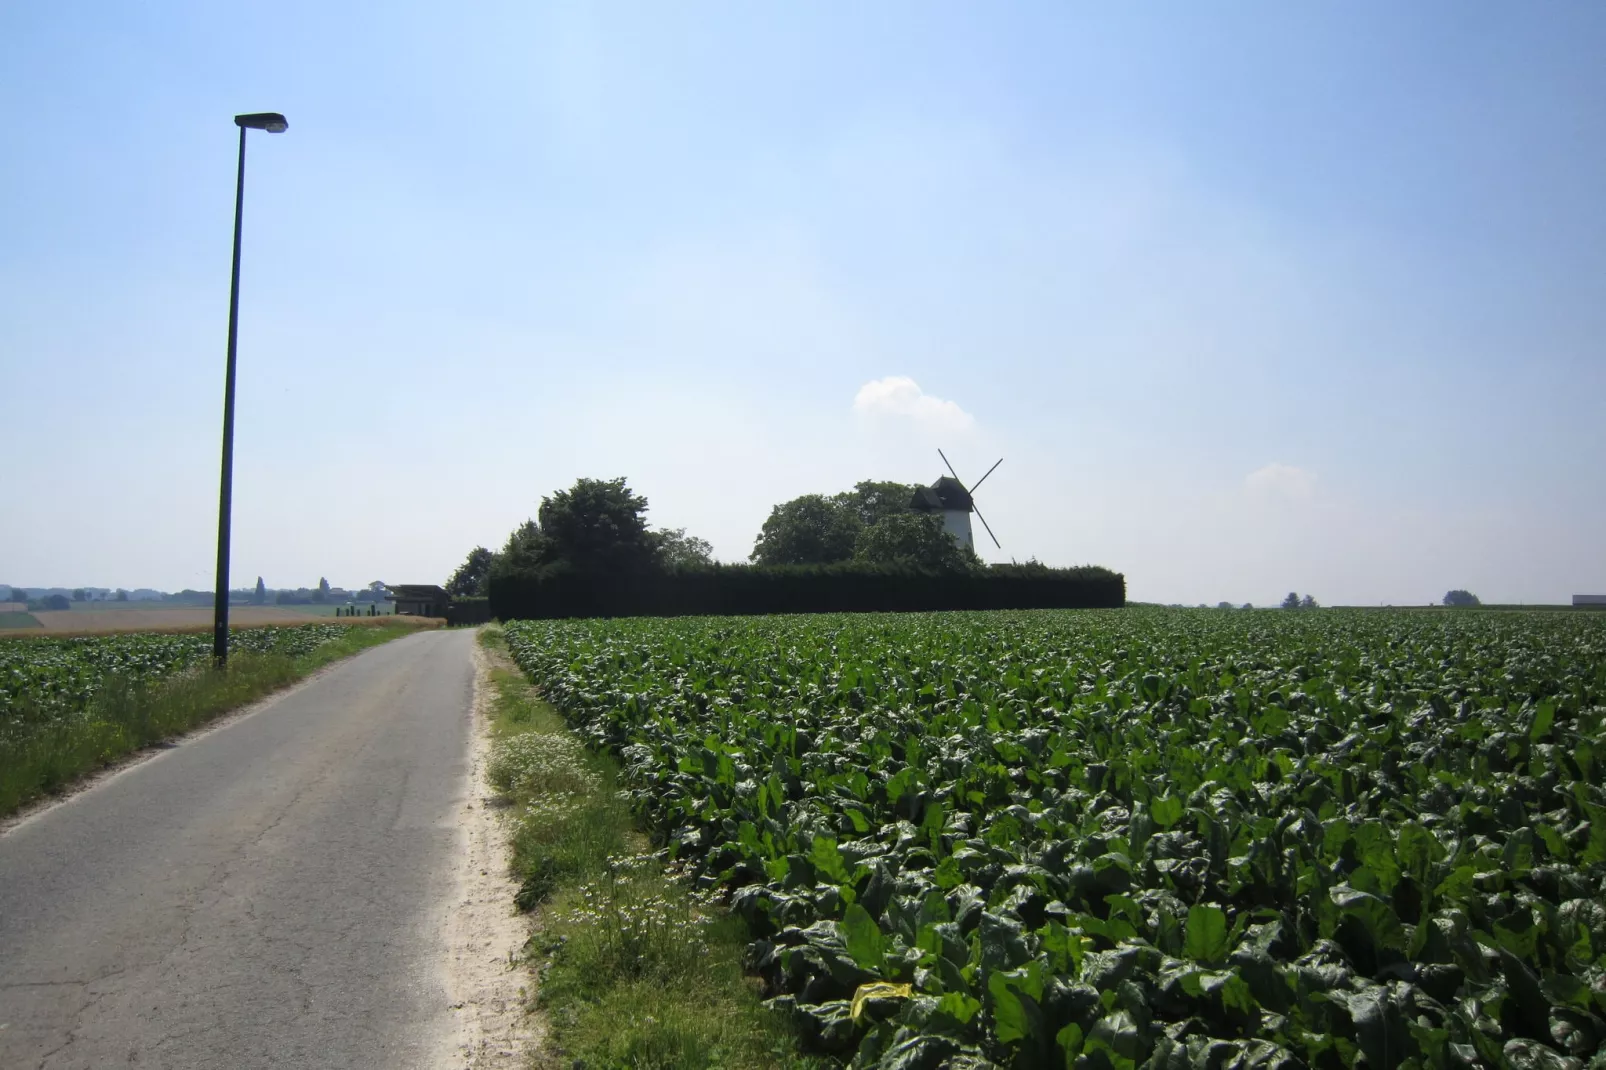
[949,499]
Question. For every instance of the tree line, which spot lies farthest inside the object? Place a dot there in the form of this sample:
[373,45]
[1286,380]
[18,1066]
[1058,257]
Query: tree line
[598,527]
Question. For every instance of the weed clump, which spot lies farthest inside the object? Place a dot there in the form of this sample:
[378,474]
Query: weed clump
[631,923]
[543,764]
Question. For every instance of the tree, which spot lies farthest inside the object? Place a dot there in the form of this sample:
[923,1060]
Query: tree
[1461,598]
[676,549]
[473,575]
[525,549]
[122,595]
[916,539]
[597,526]
[1249,605]
[811,530]
[261,597]
[1308,603]
[1223,605]
[873,500]
[79,594]
[59,601]
[321,593]
[1291,602]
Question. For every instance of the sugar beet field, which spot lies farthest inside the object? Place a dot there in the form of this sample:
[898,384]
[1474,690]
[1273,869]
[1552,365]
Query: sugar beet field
[44,681]
[68,705]
[1115,839]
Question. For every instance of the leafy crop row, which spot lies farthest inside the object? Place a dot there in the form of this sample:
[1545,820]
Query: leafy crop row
[45,680]
[1139,838]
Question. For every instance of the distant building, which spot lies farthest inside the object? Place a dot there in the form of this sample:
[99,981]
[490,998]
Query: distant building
[1589,599]
[420,599]
[951,500]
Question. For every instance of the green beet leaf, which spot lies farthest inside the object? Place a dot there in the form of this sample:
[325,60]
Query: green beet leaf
[1205,937]
[1167,810]
[863,939]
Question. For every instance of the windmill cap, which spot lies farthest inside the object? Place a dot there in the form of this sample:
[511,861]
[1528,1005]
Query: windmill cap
[945,494]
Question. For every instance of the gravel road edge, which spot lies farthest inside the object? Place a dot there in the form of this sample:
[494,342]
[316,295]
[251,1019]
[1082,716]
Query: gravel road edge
[490,984]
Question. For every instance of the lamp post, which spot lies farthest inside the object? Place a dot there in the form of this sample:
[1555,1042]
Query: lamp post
[273,123]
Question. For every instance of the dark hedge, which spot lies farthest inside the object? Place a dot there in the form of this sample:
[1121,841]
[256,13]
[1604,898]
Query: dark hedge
[846,588]
[470,609]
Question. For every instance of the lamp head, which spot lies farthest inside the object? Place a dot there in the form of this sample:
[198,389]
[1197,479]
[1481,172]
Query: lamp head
[271,121]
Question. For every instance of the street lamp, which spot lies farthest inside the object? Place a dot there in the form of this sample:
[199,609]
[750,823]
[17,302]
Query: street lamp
[273,123]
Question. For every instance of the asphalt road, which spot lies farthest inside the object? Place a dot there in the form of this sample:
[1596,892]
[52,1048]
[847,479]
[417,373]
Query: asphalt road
[267,894]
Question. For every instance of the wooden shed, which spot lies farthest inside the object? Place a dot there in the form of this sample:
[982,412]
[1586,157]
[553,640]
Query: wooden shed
[419,599]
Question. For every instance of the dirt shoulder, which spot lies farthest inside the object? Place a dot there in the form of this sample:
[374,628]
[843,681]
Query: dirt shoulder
[491,986]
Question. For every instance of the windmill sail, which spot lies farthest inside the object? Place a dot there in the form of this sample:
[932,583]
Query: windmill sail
[968,505]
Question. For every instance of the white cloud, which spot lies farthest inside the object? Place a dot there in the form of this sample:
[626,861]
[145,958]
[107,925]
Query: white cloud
[900,397]
[1281,481]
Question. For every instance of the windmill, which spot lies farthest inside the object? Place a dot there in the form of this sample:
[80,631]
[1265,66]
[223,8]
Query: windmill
[950,497]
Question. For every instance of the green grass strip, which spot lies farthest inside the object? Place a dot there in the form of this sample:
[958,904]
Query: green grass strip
[638,972]
[129,714]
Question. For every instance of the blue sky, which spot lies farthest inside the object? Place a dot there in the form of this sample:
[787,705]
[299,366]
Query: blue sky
[1250,297]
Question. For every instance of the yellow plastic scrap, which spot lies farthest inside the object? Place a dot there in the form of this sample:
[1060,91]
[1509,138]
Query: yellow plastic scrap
[878,990]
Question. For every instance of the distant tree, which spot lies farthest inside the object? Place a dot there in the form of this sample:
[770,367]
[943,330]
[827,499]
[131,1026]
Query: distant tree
[56,601]
[472,575]
[676,549]
[122,595]
[597,525]
[78,594]
[1291,602]
[261,597]
[873,500]
[323,585]
[916,539]
[810,530]
[319,594]
[1461,598]
[376,591]
[1223,605]
[1308,603]
[525,549]
[1249,605]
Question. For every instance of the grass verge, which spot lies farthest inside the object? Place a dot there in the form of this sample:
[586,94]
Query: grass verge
[127,715]
[637,971]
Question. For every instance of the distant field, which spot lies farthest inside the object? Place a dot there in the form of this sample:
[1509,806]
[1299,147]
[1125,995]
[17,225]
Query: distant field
[152,605]
[386,609]
[16,619]
[170,619]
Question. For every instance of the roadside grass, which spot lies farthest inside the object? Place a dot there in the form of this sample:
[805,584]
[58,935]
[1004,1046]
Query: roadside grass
[638,972]
[128,715]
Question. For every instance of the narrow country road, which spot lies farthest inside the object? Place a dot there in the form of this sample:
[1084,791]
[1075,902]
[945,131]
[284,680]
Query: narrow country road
[267,894]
